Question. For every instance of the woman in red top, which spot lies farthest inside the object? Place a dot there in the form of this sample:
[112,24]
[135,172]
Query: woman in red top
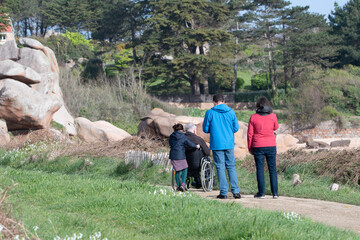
[262,144]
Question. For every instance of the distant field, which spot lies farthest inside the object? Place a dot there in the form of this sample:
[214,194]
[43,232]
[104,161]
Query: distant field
[246,76]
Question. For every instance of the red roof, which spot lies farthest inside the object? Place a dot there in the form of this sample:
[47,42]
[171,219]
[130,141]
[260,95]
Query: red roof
[6,29]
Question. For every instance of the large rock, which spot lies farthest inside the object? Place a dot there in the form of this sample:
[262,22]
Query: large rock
[24,108]
[35,59]
[284,142]
[3,125]
[4,137]
[9,50]
[63,117]
[159,123]
[14,70]
[340,143]
[32,43]
[98,131]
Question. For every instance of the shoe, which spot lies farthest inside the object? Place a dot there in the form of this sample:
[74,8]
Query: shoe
[258,195]
[275,197]
[222,196]
[184,187]
[180,189]
[237,195]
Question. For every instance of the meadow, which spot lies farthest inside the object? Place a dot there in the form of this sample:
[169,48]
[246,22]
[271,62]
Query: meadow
[111,200]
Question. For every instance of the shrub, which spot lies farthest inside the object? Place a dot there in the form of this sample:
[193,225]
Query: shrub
[240,82]
[259,82]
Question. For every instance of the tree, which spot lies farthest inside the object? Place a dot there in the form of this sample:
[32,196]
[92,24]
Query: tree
[67,14]
[345,24]
[305,41]
[267,14]
[185,42]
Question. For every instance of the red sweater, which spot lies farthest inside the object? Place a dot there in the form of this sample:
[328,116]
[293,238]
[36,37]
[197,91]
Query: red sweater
[261,131]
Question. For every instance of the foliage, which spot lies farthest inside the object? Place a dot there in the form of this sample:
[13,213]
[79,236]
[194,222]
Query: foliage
[65,50]
[344,22]
[78,39]
[260,81]
[122,100]
[184,43]
[240,82]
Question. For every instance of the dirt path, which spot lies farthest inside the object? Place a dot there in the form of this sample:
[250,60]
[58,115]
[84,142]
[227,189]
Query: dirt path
[339,215]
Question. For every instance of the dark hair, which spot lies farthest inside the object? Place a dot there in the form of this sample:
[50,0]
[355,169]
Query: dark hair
[262,101]
[178,126]
[218,98]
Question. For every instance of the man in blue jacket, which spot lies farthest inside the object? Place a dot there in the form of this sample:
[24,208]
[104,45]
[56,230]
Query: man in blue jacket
[220,121]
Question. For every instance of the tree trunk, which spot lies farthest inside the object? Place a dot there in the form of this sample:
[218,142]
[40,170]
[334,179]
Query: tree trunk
[195,85]
[132,25]
[233,84]
[206,86]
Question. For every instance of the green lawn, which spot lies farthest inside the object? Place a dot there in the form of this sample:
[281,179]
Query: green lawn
[246,76]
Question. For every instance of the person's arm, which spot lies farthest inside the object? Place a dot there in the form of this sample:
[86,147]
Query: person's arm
[206,123]
[276,124]
[205,148]
[250,134]
[190,143]
[235,123]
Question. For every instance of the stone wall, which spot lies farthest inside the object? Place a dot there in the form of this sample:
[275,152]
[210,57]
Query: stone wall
[328,129]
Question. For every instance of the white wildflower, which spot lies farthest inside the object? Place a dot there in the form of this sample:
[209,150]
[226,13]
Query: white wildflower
[36,228]
[1,227]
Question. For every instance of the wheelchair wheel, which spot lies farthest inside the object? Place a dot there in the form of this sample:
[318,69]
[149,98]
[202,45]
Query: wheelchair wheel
[207,176]
[173,181]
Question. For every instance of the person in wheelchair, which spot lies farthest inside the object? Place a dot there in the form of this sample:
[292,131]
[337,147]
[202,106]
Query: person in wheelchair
[193,156]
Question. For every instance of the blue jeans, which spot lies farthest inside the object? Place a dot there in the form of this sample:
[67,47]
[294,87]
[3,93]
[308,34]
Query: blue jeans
[259,155]
[226,159]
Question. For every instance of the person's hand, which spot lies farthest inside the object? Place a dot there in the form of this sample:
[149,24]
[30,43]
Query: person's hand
[198,146]
[251,151]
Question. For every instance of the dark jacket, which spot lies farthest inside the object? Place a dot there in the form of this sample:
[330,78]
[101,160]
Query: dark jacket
[177,142]
[198,140]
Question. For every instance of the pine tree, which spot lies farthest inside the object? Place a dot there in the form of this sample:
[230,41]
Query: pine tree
[345,24]
[185,43]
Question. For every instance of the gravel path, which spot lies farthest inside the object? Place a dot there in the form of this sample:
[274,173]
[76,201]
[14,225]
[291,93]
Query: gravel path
[343,216]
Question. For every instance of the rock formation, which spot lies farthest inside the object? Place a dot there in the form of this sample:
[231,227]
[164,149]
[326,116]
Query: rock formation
[30,95]
[159,124]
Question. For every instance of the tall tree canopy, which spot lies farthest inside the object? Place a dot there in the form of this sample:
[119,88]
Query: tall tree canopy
[345,22]
[186,43]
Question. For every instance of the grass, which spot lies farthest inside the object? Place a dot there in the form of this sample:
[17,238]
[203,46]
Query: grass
[87,202]
[66,196]
[246,75]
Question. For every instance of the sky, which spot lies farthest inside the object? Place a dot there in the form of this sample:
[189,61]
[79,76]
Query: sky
[319,6]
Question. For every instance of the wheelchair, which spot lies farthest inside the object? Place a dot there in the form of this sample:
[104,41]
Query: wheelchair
[205,170]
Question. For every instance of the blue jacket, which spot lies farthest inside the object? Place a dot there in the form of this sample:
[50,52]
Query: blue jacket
[177,142]
[221,123]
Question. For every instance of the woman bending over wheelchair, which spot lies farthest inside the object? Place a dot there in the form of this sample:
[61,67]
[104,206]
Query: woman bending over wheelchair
[177,142]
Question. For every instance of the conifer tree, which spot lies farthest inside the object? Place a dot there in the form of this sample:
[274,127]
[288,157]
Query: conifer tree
[345,22]
[186,43]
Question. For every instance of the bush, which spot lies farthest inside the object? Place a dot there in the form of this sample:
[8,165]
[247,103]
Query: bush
[259,82]
[240,82]
[65,50]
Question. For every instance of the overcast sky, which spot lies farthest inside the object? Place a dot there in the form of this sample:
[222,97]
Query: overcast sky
[319,6]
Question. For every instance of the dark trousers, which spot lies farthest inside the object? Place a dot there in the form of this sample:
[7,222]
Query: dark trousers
[270,154]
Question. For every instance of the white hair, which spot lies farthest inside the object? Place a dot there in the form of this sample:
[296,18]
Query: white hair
[190,127]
